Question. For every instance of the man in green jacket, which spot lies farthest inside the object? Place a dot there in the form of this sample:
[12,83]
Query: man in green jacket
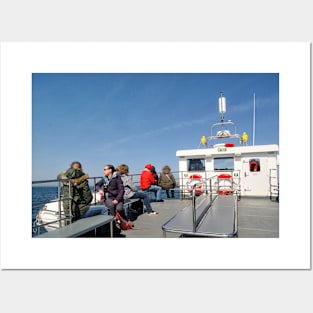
[80,193]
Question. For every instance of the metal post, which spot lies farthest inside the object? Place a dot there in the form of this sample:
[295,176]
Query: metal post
[111,229]
[253,134]
[94,189]
[59,203]
[232,182]
[70,200]
[194,217]
[181,185]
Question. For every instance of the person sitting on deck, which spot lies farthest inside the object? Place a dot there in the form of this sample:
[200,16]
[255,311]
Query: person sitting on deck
[148,182]
[155,175]
[167,181]
[80,193]
[113,190]
[131,191]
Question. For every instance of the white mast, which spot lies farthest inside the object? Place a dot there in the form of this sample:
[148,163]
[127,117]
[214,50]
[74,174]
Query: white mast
[253,119]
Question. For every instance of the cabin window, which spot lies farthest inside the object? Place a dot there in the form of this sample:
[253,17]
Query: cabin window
[254,165]
[196,164]
[223,164]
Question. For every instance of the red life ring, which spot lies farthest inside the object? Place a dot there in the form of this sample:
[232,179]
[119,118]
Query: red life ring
[195,176]
[199,187]
[225,192]
[225,176]
[254,166]
[226,189]
[198,190]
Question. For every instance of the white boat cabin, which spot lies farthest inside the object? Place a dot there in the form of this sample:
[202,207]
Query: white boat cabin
[254,168]
[251,170]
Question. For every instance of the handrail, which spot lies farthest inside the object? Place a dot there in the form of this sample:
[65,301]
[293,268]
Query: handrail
[235,135]
[183,186]
[59,199]
[194,215]
[194,187]
[205,182]
[274,184]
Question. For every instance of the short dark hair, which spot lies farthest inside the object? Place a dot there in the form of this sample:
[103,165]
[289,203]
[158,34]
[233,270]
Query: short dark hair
[110,166]
[78,163]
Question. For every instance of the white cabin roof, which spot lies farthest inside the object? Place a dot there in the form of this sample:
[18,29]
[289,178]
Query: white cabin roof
[219,150]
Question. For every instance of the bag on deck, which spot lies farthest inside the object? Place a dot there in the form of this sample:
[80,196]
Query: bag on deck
[122,223]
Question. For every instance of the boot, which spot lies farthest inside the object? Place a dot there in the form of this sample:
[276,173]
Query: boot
[173,195]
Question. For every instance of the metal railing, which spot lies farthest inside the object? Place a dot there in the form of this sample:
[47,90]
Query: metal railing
[194,208]
[274,185]
[67,218]
[212,193]
[184,189]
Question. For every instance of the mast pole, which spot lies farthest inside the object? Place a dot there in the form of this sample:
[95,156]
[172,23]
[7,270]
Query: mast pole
[253,119]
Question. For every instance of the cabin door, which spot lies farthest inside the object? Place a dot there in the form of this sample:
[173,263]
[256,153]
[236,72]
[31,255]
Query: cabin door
[255,177]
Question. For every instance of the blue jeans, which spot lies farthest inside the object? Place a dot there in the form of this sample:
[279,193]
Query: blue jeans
[95,210]
[157,190]
[145,198]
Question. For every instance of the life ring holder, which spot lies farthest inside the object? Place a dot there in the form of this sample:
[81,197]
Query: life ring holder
[228,190]
[199,187]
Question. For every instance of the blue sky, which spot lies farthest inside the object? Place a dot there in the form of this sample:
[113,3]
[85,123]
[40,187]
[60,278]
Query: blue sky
[137,118]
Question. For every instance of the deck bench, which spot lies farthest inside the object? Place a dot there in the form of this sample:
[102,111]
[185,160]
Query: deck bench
[213,219]
[87,224]
[135,204]
[80,227]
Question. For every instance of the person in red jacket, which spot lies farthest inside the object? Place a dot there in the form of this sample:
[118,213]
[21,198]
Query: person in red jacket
[148,183]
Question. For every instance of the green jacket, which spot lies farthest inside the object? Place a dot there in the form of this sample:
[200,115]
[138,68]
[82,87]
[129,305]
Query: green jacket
[80,192]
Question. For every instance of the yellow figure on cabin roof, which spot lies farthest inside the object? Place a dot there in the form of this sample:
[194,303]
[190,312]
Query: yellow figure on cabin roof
[244,137]
[203,140]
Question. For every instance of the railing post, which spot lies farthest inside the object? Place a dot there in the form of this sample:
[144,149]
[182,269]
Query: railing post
[70,200]
[181,186]
[60,198]
[59,203]
[194,217]
[94,189]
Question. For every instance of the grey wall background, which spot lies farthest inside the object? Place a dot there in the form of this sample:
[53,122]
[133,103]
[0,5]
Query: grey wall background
[139,20]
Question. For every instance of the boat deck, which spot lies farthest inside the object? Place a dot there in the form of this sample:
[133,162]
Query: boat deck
[257,218]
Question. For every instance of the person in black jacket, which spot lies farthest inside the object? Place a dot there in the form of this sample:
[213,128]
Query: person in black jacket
[155,175]
[111,189]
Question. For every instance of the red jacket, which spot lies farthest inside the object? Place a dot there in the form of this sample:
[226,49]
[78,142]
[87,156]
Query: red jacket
[146,179]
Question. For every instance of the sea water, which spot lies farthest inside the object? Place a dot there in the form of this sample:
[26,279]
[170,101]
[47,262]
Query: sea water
[40,196]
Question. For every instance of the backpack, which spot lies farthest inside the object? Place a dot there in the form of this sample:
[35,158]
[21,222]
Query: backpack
[122,223]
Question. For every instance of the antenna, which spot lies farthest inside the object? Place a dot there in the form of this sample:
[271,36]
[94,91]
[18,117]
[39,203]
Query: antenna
[222,105]
[253,119]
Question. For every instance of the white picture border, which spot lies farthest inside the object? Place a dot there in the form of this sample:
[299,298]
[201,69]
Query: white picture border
[290,251]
